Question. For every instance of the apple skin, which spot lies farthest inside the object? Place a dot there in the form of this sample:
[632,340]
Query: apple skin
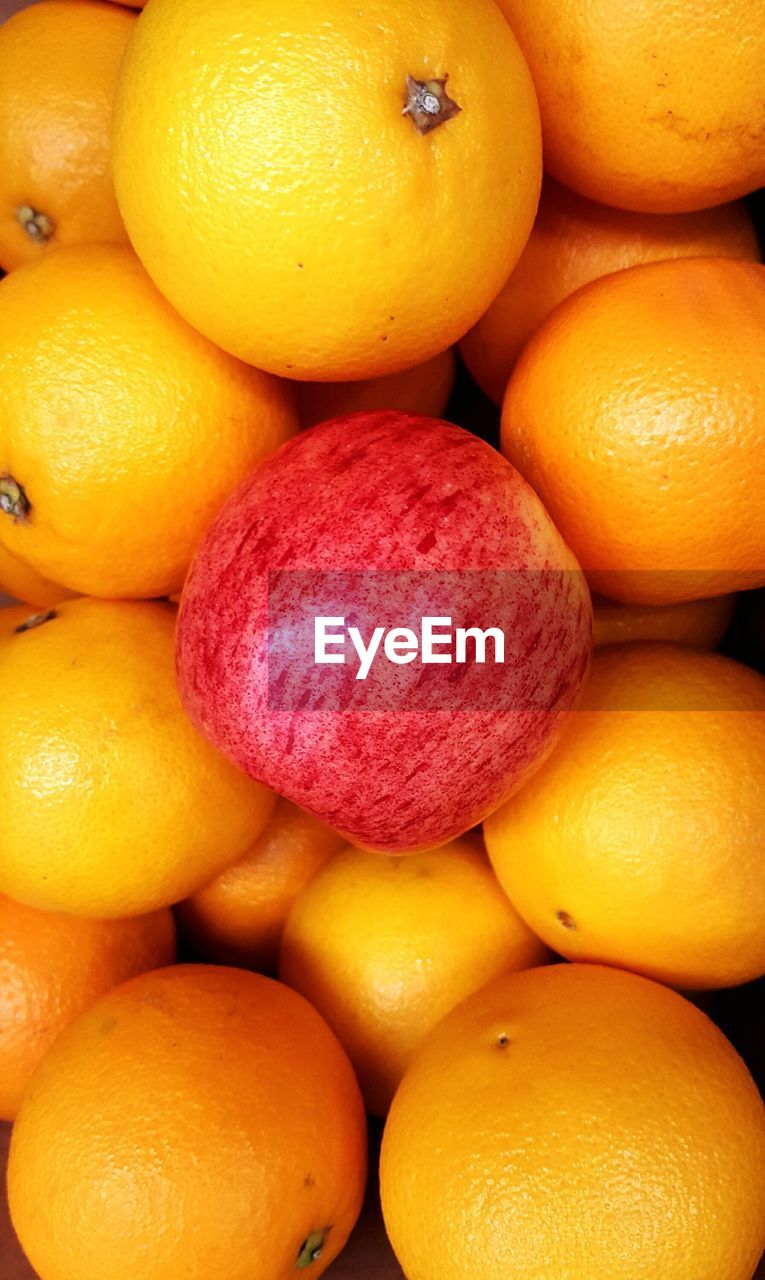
[383,490]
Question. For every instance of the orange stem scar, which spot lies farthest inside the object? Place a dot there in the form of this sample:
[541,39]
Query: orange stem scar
[312,1248]
[428,104]
[13,500]
[38,226]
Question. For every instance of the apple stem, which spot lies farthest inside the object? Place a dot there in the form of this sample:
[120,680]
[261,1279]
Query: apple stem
[312,1248]
[13,500]
[38,226]
[428,104]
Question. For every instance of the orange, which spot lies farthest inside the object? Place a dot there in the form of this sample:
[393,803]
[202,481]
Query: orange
[576,1123]
[112,804]
[575,241]
[23,583]
[52,967]
[636,414]
[383,947]
[196,1122]
[342,179]
[121,429]
[647,104]
[423,390]
[702,623]
[639,842]
[239,917]
[58,71]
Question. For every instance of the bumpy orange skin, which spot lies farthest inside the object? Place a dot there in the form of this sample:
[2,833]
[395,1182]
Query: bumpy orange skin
[23,583]
[383,947]
[240,916]
[701,623]
[330,239]
[195,1122]
[647,104]
[112,804]
[575,241]
[574,1121]
[59,62]
[639,842]
[608,416]
[425,390]
[52,968]
[125,428]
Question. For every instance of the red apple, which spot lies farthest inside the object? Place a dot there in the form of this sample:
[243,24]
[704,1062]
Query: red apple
[381,519]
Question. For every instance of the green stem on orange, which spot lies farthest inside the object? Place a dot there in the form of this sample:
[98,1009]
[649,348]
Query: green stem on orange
[312,1248]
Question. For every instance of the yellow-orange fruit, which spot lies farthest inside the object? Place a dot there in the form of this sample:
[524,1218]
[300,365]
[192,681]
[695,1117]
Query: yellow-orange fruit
[639,841]
[23,583]
[424,389]
[121,429]
[573,1121]
[701,623]
[238,918]
[647,104]
[383,947]
[195,1122]
[608,416]
[112,803]
[59,62]
[52,968]
[575,241]
[328,192]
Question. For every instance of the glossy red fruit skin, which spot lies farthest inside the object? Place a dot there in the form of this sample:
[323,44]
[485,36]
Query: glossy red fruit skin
[382,490]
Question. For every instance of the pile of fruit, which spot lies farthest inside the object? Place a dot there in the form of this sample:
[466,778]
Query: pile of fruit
[302,363]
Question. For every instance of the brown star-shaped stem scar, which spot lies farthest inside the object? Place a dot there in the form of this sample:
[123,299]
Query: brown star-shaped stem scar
[428,104]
